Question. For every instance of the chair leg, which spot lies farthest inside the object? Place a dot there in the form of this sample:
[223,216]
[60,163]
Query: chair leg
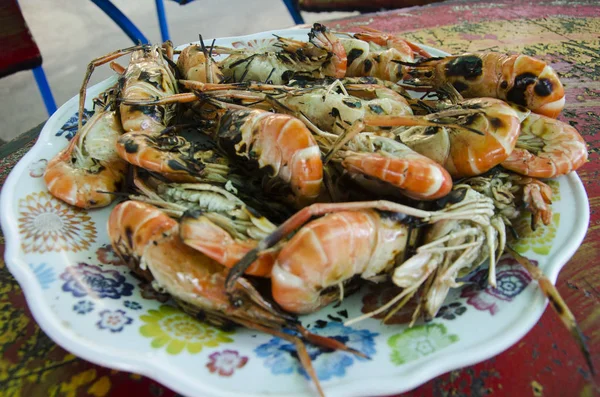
[42,82]
[122,21]
[162,20]
[292,6]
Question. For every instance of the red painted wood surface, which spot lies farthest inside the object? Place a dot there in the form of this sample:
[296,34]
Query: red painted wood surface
[546,362]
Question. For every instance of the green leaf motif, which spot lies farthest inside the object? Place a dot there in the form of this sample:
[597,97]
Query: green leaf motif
[170,327]
[419,341]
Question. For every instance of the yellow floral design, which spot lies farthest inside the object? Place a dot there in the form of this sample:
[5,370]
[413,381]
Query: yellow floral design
[47,224]
[539,240]
[175,329]
[555,186]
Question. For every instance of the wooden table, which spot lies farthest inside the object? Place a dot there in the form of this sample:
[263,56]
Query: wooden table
[546,361]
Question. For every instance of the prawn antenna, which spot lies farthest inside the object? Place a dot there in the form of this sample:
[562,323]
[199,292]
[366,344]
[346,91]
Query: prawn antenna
[557,302]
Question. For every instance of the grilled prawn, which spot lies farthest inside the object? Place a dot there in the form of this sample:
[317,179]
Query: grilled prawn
[520,79]
[148,241]
[349,239]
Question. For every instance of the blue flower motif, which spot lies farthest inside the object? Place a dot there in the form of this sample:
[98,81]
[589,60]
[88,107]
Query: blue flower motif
[281,357]
[84,279]
[83,307]
[70,127]
[113,320]
[132,305]
[44,274]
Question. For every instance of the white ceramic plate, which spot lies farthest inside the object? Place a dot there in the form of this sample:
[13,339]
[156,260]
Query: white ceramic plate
[85,300]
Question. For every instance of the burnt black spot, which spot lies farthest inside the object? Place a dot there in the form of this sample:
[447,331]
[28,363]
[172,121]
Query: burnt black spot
[543,87]
[496,122]
[131,146]
[243,147]
[269,169]
[229,131]
[353,54]
[287,76]
[460,86]
[376,109]
[92,202]
[149,110]
[428,74]
[177,166]
[455,196]
[431,130]
[504,85]
[377,58]
[129,236]
[335,113]
[355,104]
[192,213]
[556,304]
[517,93]
[368,66]
[398,217]
[469,67]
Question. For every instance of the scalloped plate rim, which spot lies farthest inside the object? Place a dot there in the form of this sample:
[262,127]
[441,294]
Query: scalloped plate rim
[385,385]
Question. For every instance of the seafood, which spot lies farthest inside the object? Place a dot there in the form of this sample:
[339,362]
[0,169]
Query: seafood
[370,53]
[212,220]
[513,193]
[277,142]
[148,239]
[281,145]
[322,56]
[332,106]
[546,148]
[520,79]
[148,76]
[89,170]
[217,234]
[349,239]
[172,156]
[384,159]
[468,138]
[196,64]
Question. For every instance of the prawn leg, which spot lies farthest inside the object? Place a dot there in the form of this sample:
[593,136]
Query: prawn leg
[90,69]
[557,303]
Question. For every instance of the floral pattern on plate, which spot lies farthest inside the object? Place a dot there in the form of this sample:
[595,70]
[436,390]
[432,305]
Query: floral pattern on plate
[47,224]
[44,274]
[280,355]
[84,279]
[69,129]
[113,320]
[174,329]
[419,341]
[226,362]
[538,240]
[83,307]
[132,305]
[451,311]
[511,280]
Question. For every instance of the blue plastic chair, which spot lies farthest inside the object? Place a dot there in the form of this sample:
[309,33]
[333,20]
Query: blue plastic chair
[128,27]
[20,52]
[138,37]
